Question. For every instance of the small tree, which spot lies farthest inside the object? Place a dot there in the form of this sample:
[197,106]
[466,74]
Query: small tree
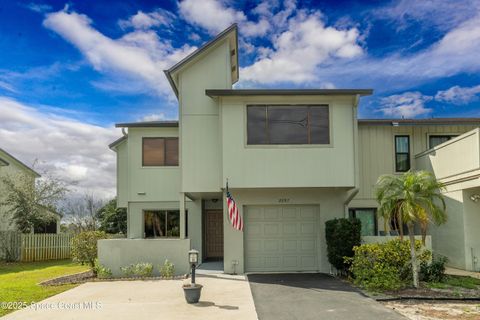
[342,235]
[30,202]
[84,246]
[112,219]
[81,213]
[414,197]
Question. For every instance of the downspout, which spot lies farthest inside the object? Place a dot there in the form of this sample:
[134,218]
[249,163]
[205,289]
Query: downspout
[356,173]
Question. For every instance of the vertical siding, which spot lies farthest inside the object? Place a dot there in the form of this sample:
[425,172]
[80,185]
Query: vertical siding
[377,150]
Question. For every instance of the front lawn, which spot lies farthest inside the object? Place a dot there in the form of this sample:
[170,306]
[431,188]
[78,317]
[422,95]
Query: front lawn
[19,281]
[456,281]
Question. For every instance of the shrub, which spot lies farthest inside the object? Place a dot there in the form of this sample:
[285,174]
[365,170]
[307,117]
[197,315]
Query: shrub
[84,246]
[142,269]
[167,270]
[434,271]
[342,235]
[101,271]
[385,266]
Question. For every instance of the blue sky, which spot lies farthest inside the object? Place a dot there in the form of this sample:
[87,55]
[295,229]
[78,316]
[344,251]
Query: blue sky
[70,70]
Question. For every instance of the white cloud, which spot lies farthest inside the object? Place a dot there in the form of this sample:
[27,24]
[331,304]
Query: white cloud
[142,20]
[154,117]
[74,151]
[458,95]
[140,54]
[405,105]
[299,51]
[211,15]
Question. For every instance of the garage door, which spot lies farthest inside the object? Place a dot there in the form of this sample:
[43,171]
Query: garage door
[281,238]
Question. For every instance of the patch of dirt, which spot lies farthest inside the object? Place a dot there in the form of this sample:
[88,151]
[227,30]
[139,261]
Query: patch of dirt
[453,293]
[415,310]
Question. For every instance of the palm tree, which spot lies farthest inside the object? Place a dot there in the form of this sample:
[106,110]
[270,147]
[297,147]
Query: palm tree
[414,197]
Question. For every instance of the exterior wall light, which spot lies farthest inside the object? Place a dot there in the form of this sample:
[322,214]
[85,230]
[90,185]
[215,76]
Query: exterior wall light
[475,197]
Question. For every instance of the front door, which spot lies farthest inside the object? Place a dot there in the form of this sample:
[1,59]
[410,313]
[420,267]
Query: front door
[214,233]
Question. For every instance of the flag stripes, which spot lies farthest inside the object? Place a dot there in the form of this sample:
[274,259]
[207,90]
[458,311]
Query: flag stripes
[233,213]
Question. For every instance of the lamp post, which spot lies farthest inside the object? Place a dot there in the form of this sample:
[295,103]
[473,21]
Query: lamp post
[193,259]
[192,291]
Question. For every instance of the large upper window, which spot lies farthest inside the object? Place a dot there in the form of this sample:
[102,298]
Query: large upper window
[282,124]
[435,140]
[402,153]
[162,223]
[160,152]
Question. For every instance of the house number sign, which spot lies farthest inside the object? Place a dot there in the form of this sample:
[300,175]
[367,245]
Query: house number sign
[283,200]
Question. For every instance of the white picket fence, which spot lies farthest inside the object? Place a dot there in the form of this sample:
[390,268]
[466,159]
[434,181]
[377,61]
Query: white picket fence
[15,246]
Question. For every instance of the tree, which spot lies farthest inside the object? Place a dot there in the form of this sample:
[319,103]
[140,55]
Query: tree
[81,213]
[414,197]
[32,202]
[112,219]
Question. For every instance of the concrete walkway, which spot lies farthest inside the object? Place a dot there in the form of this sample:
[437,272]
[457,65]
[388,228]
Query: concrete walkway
[222,298]
[459,272]
[313,296]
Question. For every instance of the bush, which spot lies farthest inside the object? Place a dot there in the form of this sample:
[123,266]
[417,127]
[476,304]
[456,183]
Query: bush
[434,271]
[84,246]
[101,271]
[385,266]
[142,269]
[342,235]
[167,270]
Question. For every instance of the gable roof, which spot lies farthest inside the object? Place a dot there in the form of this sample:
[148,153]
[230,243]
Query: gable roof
[285,92]
[6,163]
[117,142]
[231,33]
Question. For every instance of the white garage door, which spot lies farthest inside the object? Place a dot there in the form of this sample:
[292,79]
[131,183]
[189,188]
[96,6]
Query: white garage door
[281,238]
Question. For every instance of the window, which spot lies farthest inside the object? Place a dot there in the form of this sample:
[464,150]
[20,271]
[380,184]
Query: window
[368,220]
[402,153]
[301,124]
[435,140]
[163,223]
[160,152]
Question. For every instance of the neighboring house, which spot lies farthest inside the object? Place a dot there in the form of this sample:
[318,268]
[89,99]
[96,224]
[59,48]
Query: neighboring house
[293,159]
[11,166]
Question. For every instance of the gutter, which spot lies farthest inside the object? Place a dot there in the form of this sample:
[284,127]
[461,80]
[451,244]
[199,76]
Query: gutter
[350,197]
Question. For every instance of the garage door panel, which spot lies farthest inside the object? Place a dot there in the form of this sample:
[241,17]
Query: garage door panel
[285,241]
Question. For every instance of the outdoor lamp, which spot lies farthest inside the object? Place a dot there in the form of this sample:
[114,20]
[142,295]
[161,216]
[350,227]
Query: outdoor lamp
[193,256]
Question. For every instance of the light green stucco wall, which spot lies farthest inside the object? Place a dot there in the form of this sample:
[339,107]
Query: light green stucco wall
[284,166]
[199,121]
[122,174]
[158,183]
[472,228]
[329,200]
[117,253]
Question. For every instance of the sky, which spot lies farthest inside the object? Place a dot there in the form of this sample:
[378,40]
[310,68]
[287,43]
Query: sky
[70,70]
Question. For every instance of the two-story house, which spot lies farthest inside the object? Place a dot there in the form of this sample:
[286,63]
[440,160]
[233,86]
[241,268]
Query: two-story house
[293,159]
[11,167]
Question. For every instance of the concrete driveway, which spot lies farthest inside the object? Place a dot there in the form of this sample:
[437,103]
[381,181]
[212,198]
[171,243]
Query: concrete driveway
[222,298]
[313,296]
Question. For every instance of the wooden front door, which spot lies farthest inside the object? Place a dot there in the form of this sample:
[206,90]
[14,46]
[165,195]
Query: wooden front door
[214,233]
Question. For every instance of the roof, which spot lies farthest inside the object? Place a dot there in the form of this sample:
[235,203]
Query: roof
[221,36]
[285,92]
[431,121]
[19,162]
[117,142]
[148,124]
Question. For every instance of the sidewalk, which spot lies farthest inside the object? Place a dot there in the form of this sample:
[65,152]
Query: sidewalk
[459,272]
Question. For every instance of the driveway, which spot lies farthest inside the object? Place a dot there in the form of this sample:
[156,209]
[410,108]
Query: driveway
[222,298]
[312,296]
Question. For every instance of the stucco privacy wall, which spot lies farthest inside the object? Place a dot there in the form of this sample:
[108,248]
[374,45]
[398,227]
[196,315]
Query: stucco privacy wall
[117,253]
[264,166]
[329,200]
[377,152]
[136,220]
[200,147]
[472,234]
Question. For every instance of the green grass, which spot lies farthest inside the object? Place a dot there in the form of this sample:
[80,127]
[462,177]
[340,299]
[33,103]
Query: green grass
[19,281]
[456,281]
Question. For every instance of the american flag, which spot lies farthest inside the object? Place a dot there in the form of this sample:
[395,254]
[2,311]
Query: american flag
[235,217]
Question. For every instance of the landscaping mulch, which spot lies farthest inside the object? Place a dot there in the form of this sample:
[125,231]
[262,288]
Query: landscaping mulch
[88,276]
